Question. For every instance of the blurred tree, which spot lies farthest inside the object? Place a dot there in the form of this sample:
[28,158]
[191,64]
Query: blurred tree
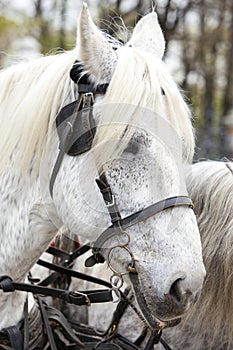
[199,36]
[7,30]
[42,25]
[201,32]
[63,23]
[51,35]
[208,55]
[46,22]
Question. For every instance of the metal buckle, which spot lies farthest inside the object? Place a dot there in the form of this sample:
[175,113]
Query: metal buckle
[110,204]
[86,97]
[69,124]
[76,293]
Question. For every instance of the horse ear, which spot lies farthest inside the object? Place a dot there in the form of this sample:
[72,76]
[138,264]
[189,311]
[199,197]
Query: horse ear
[95,53]
[148,36]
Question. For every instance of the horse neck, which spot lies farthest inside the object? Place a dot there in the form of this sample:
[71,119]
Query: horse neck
[26,232]
[27,227]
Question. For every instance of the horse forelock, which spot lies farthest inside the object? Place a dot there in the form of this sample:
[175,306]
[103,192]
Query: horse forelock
[136,85]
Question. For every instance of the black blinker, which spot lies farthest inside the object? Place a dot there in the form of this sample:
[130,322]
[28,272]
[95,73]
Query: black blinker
[82,128]
[75,123]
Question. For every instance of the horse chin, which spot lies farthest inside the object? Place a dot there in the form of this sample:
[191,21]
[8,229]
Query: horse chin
[161,324]
[157,320]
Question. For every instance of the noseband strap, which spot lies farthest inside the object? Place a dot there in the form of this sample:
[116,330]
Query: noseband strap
[139,216]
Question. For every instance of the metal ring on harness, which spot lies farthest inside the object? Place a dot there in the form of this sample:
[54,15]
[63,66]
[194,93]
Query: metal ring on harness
[127,249]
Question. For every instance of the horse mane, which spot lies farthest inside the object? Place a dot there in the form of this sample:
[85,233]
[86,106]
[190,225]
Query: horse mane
[210,321]
[32,93]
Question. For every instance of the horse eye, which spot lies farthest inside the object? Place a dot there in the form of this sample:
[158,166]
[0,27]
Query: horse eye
[132,147]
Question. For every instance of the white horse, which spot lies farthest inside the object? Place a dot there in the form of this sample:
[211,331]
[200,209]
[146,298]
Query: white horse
[143,136]
[208,325]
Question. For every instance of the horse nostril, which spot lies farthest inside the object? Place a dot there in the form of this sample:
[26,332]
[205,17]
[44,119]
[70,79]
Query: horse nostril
[176,291]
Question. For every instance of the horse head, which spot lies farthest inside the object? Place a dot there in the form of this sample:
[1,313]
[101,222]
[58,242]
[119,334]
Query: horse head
[142,137]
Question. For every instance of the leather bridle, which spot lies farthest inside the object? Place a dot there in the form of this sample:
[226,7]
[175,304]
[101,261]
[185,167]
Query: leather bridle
[80,113]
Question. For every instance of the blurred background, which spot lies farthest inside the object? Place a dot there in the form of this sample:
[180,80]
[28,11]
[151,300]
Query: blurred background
[199,54]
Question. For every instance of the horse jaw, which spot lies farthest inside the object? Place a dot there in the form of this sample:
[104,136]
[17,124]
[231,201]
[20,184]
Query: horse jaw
[95,52]
[148,36]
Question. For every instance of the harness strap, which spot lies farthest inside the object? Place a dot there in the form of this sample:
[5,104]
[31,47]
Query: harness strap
[99,89]
[154,324]
[141,337]
[37,338]
[73,273]
[80,251]
[56,316]
[154,339]
[140,216]
[47,324]
[67,260]
[72,297]
[118,313]
[26,326]
[68,256]
[79,128]
[64,145]
[15,337]
[165,345]
[109,199]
